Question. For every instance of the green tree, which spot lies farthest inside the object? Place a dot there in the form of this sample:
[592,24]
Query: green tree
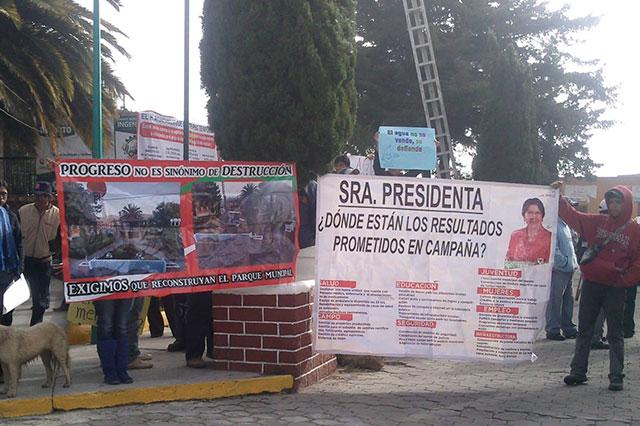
[508,149]
[388,92]
[46,69]
[280,79]
[163,213]
[569,93]
[80,205]
[207,195]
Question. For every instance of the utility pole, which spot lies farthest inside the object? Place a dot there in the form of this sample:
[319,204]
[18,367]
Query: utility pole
[185,131]
[96,130]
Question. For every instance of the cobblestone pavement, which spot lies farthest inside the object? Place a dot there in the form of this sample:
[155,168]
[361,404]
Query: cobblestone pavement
[412,392]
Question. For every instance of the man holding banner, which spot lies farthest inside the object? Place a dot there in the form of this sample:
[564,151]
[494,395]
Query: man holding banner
[609,266]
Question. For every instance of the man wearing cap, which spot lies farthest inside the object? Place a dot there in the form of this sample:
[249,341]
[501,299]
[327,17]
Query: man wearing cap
[609,266]
[40,222]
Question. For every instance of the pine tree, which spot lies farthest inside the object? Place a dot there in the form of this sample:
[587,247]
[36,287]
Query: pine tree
[280,77]
[508,148]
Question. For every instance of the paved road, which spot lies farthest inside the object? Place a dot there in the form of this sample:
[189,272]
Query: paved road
[408,392]
[413,392]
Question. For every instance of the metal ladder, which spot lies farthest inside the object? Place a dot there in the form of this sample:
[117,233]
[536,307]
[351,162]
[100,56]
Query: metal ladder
[427,71]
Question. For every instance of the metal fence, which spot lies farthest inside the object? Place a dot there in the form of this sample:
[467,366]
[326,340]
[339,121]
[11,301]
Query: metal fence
[20,174]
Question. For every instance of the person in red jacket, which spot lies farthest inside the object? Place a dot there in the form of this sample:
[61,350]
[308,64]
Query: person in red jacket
[615,267]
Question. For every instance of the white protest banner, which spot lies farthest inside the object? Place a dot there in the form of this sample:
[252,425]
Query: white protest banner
[160,138]
[432,268]
[363,164]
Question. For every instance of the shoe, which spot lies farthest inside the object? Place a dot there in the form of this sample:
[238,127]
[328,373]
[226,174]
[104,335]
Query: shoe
[145,357]
[154,335]
[571,335]
[139,364]
[628,334]
[598,345]
[615,384]
[574,379]
[555,336]
[176,346]
[111,379]
[122,364]
[196,363]
[107,353]
[125,379]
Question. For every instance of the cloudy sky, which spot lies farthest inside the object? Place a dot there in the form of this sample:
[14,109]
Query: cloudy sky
[146,195]
[154,75]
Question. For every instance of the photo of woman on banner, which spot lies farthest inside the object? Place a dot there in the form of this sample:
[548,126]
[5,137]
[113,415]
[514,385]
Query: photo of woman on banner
[531,244]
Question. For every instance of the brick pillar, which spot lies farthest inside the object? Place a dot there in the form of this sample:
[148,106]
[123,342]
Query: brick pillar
[268,334]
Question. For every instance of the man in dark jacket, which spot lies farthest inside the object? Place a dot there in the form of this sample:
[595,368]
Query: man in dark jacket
[615,267]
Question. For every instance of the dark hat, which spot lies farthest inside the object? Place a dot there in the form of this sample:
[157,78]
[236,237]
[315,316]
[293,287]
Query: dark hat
[43,188]
[613,193]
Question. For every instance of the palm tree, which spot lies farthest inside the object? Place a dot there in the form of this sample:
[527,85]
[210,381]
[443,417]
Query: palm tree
[46,69]
[247,190]
[130,213]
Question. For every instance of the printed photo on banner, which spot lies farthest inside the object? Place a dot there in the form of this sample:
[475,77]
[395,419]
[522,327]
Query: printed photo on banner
[151,228]
[248,222]
[407,148]
[123,228]
[432,268]
[531,244]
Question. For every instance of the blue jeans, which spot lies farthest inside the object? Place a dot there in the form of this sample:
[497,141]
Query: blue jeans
[560,307]
[112,318]
[133,324]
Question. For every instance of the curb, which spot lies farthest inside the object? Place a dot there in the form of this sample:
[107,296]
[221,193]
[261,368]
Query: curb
[25,407]
[146,395]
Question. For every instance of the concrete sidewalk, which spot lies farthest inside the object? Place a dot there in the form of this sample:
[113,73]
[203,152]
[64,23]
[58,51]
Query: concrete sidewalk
[168,380]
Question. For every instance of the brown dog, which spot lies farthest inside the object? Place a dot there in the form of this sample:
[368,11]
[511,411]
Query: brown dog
[18,346]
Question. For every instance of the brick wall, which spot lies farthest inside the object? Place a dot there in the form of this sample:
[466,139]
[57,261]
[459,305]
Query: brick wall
[267,334]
